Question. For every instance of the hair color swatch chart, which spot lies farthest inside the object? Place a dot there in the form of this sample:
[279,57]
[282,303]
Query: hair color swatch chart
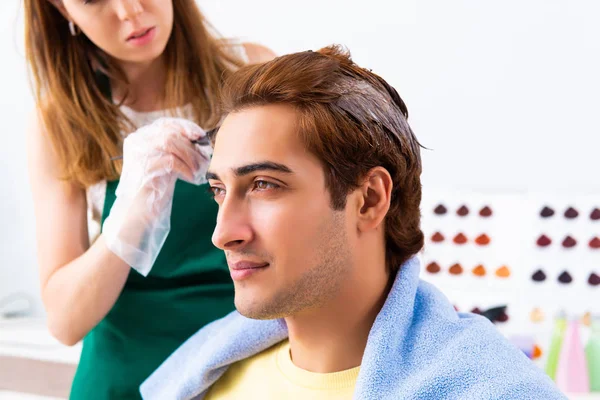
[538,254]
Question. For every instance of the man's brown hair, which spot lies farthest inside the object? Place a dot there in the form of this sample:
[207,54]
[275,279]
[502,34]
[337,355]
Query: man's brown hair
[353,121]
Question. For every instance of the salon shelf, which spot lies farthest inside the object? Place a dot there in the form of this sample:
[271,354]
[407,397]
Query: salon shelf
[4,395]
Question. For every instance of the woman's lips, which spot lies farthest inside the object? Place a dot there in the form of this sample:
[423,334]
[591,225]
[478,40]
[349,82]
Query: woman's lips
[142,37]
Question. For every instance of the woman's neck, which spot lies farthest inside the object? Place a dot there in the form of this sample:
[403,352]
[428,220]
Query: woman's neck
[145,91]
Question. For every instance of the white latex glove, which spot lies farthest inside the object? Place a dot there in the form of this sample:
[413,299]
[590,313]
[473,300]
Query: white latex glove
[154,157]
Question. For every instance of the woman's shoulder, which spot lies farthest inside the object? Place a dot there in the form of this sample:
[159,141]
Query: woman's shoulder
[257,53]
[247,52]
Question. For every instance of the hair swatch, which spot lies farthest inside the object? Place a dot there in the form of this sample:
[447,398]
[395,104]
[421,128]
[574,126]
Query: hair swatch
[537,352]
[587,319]
[569,242]
[595,243]
[496,314]
[503,317]
[463,211]
[456,269]
[437,237]
[536,315]
[565,277]
[594,279]
[485,212]
[440,210]
[460,239]
[546,212]
[483,240]
[544,241]
[479,270]
[503,272]
[595,214]
[433,268]
[538,276]
[571,213]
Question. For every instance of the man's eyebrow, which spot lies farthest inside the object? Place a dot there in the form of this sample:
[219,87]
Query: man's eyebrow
[262,166]
[250,168]
[212,175]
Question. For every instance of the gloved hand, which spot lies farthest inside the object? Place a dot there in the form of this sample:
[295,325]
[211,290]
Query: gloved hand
[154,157]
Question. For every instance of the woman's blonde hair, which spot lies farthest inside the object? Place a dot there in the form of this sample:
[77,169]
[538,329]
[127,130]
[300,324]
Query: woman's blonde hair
[70,74]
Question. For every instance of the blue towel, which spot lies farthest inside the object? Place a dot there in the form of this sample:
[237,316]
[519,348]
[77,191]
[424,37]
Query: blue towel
[419,348]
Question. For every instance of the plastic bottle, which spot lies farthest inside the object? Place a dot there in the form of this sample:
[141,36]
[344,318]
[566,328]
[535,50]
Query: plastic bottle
[572,371]
[592,352]
[560,325]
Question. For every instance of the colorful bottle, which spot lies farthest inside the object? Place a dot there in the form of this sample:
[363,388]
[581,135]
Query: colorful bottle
[572,372]
[592,352]
[560,325]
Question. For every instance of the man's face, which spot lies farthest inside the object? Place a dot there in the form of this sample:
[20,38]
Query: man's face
[287,249]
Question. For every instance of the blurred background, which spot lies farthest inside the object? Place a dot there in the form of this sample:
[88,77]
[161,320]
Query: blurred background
[503,94]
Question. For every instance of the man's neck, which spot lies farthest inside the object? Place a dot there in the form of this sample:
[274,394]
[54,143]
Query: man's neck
[333,337]
[146,85]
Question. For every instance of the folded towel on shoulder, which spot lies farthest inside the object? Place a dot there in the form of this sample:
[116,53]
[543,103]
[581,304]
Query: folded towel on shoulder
[419,348]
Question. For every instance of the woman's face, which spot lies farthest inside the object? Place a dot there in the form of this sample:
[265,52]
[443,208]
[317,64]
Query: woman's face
[131,31]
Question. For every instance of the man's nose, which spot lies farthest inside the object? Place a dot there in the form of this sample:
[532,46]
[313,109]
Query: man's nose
[233,228]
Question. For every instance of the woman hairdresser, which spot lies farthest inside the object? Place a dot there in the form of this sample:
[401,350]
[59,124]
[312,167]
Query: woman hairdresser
[105,70]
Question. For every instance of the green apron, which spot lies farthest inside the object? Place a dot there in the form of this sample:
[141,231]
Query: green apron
[188,287]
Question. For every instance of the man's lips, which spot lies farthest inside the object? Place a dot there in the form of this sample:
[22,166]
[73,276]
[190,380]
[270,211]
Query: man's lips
[245,269]
[241,265]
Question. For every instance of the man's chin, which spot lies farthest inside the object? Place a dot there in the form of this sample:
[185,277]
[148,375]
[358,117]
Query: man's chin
[252,308]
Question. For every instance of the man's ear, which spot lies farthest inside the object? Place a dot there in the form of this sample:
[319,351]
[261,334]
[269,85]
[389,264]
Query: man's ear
[376,191]
[60,7]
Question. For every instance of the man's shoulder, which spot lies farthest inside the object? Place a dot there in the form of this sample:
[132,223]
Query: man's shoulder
[439,353]
[467,339]
[205,356]
[476,351]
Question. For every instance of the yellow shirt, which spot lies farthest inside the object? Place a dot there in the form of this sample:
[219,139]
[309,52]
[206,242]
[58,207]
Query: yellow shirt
[272,375]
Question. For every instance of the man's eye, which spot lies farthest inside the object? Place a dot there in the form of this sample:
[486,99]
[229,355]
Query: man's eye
[264,185]
[216,191]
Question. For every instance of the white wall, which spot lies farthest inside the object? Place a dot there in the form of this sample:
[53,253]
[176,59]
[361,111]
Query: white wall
[505,93]
[18,270]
